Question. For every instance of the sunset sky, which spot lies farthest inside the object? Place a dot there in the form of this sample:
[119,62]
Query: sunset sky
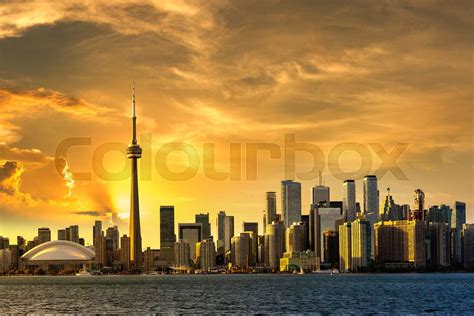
[227,72]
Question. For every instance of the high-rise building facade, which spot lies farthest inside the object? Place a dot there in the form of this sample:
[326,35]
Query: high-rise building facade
[400,242]
[101,250]
[305,219]
[419,209]
[228,231]
[291,202]
[440,240]
[182,254]
[327,219]
[360,244]
[331,247]
[44,235]
[458,219]
[439,214]
[271,209]
[250,227]
[167,234]
[371,196]
[96,231]
[276,244]
[468,245]
[241,251]
[125,252]
[207,255]
[320,195]
[73,233]
[295,237]
[349,200]
[4,242]
[192,233]
[220,225]
[62,235]
[345,247]
[391,210]
[206,225]
[112,234]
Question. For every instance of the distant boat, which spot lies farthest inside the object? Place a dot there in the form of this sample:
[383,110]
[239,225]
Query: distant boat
[330,271]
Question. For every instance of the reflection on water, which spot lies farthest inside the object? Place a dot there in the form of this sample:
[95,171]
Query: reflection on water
[343,293]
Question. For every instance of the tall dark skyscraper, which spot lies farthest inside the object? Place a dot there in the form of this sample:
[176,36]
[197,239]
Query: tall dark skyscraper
[290,202]
[167,235]
[221,225]
[113,237]
[134,152]
[96,231]
[250,227]
[271,210]
[206,225]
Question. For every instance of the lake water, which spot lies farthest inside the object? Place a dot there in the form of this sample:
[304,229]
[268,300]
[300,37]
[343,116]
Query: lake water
[439,294]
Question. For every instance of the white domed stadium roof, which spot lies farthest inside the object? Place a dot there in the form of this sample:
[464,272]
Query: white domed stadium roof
[59,250]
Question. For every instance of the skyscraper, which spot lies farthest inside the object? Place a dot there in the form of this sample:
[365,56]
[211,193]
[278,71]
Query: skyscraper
[276,244]
[270,211]
[207,255]
[345,247]
[250,227]
[241,247]
[167,235]
[228,231]
[71,233]
[349,200]
[391,210]
[206,225]
[101,250]
[331,247]
[96,231]
[468,245]
[290,202]
[400,242]
[371,195]
[182,254]
[134,152]
[112,234]
[192,233]
[125,252]
[360,244]
[44,235]
[63,236]
[419,211]
[320,193]
[305,219]
[220,225]
[440,237]
[326,220]
[458,219]
[295,237]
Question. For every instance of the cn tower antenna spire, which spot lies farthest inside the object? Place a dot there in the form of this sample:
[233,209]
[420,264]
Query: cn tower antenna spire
[133,99]
[134,115]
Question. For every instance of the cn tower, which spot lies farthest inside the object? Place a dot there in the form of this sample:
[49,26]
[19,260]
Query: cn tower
[134,152]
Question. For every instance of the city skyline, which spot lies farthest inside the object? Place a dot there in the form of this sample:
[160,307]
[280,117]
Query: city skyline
[67,68]
[237,225]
